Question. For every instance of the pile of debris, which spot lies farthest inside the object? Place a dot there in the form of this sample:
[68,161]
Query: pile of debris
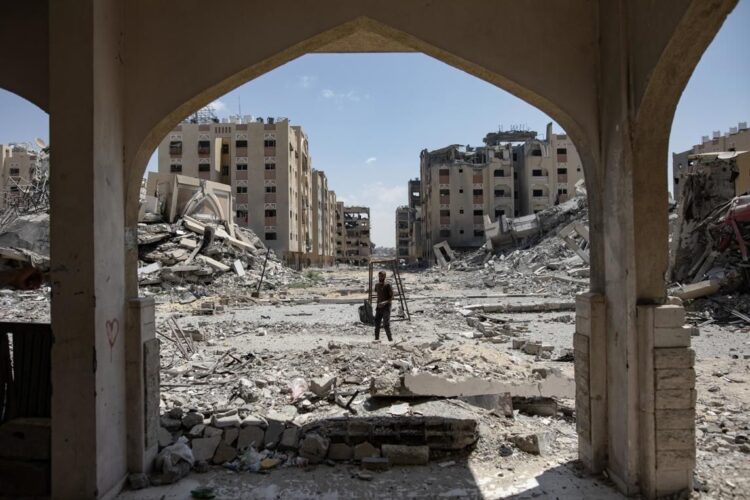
[187,236]
[549,257]
[709,241]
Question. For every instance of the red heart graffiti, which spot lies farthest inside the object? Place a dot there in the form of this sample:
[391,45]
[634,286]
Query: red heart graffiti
[113,330]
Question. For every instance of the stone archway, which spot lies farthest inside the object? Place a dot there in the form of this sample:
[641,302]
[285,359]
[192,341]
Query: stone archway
[119,73]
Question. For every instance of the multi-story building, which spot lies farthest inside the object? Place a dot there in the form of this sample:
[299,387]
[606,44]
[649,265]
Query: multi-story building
[513,174]
[268,165]
[416,242]
[547,171]
[402,232]
[357,246]
[737,139]
[340,233]
[458,186]
[323,203]
[18,165]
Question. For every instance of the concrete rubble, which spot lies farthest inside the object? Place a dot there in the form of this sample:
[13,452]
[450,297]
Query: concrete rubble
[482,375]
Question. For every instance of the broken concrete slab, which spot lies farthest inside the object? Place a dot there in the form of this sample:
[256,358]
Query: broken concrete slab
[204,448]
[321,386]
[251,435]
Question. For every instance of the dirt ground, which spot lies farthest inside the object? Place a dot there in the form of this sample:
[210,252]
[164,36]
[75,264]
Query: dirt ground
[309,330]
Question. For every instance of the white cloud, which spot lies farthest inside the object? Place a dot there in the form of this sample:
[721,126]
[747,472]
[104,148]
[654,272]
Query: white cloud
[371,160]
[219,106]
[382,200]
[306,81]
[341,97]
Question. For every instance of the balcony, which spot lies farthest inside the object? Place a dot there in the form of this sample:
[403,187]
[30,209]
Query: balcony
[562,158]
[270,222]
[562,178]
[269,174]
[175,151]
[478,200]
[269,151]
[445,221]
[241,175]
[445,200]
[204,152]
[269,198]
[478,219]
[241,151]
[444,179]
[478,179]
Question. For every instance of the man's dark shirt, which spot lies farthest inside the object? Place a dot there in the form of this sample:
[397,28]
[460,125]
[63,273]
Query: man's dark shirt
[385,292]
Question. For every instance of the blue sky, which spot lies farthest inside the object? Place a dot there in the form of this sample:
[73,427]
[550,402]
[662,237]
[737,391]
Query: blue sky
[369,115]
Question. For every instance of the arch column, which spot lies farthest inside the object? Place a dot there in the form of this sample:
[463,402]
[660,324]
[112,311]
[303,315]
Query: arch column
[89,302]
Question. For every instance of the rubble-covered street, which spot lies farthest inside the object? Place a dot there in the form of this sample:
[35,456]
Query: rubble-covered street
[286,394]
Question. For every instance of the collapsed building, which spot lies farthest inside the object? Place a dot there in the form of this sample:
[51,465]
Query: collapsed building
[514,174]
[353,244]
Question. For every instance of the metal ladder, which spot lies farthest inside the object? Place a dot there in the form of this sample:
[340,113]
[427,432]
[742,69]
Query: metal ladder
[398,294]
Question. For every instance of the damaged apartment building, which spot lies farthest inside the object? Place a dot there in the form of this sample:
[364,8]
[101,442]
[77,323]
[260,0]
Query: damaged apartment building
[277,193]
[737,139]
[353,244]
[22,169]
[513,174]
[409,226]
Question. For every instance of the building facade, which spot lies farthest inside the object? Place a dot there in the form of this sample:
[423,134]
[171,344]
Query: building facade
[402,232]
[268,164]
[357,246]
[513,174]
[458,186]
[546,171]
[19,164]
[323,220]
[737,139]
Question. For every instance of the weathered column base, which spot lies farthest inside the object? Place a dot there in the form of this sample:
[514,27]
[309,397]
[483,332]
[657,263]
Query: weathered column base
[591,381]
[666,419]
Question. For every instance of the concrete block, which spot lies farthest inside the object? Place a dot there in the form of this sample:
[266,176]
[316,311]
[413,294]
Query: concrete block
[673,358]
[228,419]
[364,450]
[583,326]
[204,448]
[210,431]
[539,443]
[230,435]
[674,459]
[191,419]
[273,434]
[518,343]
[398,454]
[314,447]
[224,453]
[675,419]
[675,439]
[583,307]
[321,386]
[289,439]
[252,435]
[671,482]
[675,378]
[340,451]
[675,399]
[675,336]
[669,316]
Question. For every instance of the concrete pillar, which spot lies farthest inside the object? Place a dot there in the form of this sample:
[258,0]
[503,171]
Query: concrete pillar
[89,302]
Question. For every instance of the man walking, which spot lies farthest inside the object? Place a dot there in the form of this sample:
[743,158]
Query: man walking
[384,293]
